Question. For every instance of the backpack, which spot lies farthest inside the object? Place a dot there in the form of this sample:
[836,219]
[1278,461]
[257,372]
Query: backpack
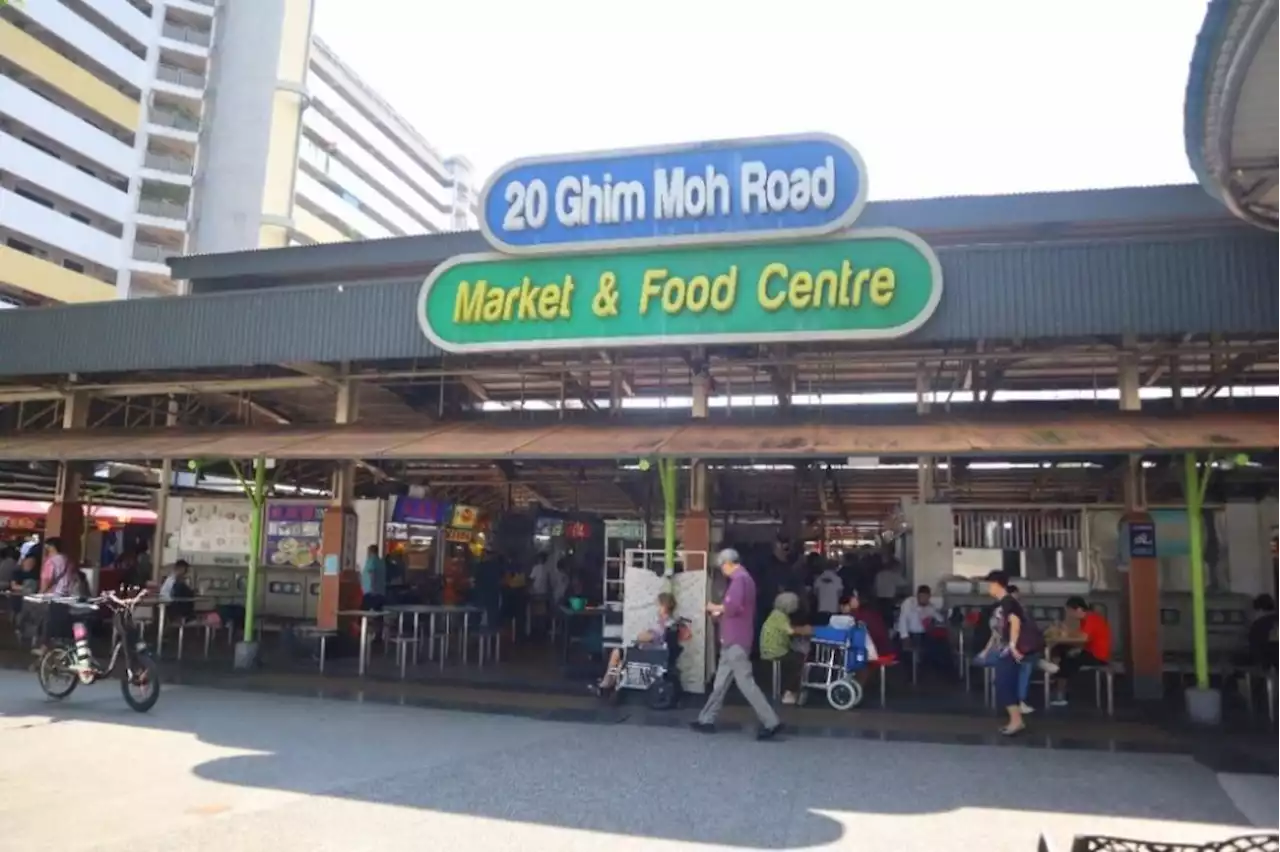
[1030,637]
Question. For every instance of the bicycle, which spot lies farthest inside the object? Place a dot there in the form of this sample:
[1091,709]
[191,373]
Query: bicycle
[57,671]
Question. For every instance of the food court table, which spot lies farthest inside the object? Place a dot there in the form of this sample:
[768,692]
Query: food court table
[162,613]
[364,615]
[431,611]
[568,613]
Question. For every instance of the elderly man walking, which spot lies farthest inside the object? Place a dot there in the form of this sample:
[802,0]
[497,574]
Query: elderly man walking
[737,616]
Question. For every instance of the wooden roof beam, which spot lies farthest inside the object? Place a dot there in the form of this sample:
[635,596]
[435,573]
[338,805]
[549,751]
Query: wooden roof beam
[511,476]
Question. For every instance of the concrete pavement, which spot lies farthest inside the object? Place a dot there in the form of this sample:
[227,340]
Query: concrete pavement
[239,772]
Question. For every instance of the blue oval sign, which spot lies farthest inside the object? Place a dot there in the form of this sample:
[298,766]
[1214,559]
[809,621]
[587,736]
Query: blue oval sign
[781,187]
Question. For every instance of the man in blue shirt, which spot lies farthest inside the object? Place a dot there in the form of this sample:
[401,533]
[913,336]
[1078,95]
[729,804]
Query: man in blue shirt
[373,580]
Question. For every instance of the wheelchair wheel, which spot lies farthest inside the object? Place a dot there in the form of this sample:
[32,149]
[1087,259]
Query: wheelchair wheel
[844,694]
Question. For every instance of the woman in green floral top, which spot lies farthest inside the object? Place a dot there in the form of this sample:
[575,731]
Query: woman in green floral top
[775,644]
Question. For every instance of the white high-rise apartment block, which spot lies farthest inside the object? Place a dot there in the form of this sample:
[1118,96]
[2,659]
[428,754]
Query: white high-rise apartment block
[134,130]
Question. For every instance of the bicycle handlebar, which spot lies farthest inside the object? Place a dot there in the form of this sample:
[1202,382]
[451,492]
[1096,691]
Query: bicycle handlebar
[105,597]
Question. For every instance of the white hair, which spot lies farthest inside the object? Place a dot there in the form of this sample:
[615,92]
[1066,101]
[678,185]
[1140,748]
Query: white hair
[787,602]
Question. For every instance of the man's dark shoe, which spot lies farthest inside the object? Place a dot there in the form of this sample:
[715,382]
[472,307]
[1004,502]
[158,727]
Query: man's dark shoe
[765,734]
[703,727]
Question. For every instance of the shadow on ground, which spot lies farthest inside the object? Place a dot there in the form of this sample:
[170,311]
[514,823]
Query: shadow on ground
[643,780]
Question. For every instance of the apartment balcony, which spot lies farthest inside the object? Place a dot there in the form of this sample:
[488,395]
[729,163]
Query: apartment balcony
[168,169]
[152,253]
[180,77]
[171,165]
[186,39]
[198,7]
[167,216]
[173,125]
[176,120]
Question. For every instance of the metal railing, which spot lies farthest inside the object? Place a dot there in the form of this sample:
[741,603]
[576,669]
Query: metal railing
[161,208]
[165,163]
[176,120]
[152,253]
[188,34]
[180,76]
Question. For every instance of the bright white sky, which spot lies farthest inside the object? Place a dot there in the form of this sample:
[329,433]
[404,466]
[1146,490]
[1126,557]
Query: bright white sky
[942,97]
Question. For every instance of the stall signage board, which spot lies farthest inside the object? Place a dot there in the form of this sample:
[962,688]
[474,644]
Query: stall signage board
[770,188]
[419,511]
[864,285]
[293,535]
[1142,540]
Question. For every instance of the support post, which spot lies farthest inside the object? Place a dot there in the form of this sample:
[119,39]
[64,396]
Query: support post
[924,464]
[696,530]
[162,500]
[1141,590]
[1194,484]
[65,518]
[1204,704]
[257,496]
[340,581]
[246,653]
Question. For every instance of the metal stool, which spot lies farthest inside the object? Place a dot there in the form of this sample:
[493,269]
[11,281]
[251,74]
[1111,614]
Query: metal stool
[402,645]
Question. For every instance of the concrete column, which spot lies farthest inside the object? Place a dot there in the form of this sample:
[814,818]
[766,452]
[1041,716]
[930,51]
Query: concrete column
[340,580]
[696,528]
[162,500]
[1141,591]
[925,466]
[1130,382]
[65,520]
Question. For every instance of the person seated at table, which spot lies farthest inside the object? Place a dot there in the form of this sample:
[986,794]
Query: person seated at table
[777,644]
[1093,651]
[922,625]
[870,618]
[1265,633]
[177,590]
[652,637]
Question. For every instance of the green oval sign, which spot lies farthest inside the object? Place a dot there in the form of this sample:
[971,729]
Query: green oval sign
[867,285]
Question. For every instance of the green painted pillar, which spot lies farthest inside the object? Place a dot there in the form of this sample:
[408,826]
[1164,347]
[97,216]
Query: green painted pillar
[1194,484]
[256,492]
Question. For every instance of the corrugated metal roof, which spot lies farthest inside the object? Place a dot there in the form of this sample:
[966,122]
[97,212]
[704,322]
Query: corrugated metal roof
[1031,215]
[1103,432]
[1152,286]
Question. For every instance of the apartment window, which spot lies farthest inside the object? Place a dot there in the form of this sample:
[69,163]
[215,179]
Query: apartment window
[31,196]
[40,147]
[86,170]
[25,248]
[73,266]
[81,218]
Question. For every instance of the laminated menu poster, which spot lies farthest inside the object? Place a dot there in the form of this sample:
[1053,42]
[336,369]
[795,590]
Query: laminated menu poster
[293,535]
[215,532]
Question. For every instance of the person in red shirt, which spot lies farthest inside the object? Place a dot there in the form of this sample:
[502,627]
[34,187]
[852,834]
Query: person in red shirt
[869,616]
[1095,652]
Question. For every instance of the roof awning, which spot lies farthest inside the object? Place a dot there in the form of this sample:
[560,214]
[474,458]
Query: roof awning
[1112,432]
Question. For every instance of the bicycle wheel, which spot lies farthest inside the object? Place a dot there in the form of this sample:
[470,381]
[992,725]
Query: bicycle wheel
[56,673]
[141,685]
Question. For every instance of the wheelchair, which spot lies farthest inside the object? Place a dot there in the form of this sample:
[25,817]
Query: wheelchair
[650,669]
[835,655]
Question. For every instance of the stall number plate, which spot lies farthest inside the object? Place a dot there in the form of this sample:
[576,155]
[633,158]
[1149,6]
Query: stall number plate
[284,588]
